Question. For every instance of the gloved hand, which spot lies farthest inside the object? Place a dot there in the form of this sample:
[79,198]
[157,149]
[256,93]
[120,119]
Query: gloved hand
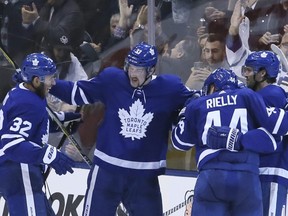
[196,94]
[57,160]
[224,137]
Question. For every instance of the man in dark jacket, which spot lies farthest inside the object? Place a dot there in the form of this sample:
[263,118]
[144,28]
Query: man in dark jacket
[55,17]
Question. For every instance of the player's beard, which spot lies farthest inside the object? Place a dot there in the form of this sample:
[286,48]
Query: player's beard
[40,90]
[251,82]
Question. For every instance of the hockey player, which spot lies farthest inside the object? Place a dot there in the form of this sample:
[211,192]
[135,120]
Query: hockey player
[24,148]
[132,141]
[228,181]
[261,70]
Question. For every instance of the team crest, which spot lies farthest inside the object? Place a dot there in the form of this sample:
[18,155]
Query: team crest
[64,40]
[264,54]
[46,135]
[134,122]
[35,62]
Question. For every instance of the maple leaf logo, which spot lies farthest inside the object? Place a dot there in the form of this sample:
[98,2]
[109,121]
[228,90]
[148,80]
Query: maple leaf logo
[35,62]
[134,122]
[46,135]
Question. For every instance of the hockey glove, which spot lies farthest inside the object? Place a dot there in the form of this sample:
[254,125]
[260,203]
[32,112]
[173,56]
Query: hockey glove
[224,137]
[196,94]
[57,160]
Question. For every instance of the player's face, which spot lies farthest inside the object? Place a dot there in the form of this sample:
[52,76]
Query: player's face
[137,75]
[43,89]
[252,77]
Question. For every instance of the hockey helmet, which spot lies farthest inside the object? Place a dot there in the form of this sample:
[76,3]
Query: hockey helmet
[222,79]
[37,64]
[263,60]
[142,55]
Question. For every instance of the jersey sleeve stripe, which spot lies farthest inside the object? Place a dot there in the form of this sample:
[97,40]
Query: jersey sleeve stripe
[278,123]
[11,144]
[179,143]
[271,137]
[81,92]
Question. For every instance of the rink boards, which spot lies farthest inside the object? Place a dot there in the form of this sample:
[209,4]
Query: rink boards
[67,192]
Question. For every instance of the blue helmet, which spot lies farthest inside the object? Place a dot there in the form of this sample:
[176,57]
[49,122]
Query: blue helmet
[222,79]
[264,60]
[143,55]
[37,64]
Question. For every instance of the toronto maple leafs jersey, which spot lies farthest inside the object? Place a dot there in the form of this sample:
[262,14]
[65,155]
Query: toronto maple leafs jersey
[240,108]
[24,126]
[133,136]
[274,166]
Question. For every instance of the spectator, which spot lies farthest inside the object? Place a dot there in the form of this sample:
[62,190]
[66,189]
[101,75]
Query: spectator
[237,48]
[120,23]
[139,31]
[256,26]
[136,123]
[68,68]
[201,41]
[114,20]
[62,17]
[214,19]
[97,14]
[278,18]
[177,60]
[14,38]
[214,56]
[181,11]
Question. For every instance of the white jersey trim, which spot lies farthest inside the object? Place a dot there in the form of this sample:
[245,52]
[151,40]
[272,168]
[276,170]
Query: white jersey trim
[73,94]
[88,203]
[11,144]
[28,190]
[274,171]
[279,121]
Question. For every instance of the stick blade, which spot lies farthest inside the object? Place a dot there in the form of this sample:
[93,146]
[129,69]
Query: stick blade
[281,55]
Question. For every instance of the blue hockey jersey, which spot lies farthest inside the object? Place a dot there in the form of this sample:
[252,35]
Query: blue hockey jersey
[133,136]
[240,108]
[24,126]
[274,166]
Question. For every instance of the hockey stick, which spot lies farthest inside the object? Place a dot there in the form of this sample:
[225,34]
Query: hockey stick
[50,112]
[281,55]
[68,127]
[68,135]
